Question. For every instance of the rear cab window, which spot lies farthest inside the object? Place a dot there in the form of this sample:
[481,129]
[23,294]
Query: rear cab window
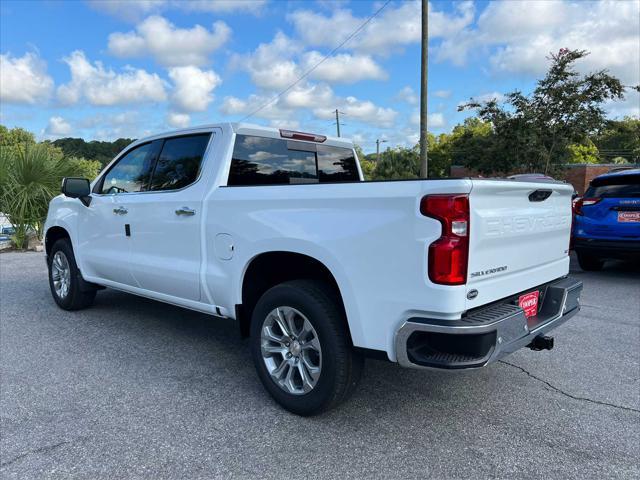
[273,161]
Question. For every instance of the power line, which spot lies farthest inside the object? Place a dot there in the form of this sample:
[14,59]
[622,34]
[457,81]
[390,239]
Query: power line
[306,73]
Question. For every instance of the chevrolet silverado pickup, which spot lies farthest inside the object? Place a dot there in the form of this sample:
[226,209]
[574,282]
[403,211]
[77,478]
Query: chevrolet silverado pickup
[277,230]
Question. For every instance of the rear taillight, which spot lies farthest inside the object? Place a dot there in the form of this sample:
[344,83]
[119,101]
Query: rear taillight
[584,202]
[449,255]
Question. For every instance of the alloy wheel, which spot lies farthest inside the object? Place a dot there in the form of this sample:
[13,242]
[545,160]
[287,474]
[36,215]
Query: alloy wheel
[291,350]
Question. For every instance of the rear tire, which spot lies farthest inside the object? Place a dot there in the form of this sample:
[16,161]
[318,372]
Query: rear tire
[65,278]
[590,263]
[313,325]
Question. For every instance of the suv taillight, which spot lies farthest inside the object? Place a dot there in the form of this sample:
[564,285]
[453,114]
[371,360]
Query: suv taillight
[449,255]
[584,202]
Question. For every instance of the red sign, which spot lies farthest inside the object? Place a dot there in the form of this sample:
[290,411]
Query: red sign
[629,217]
[529,303]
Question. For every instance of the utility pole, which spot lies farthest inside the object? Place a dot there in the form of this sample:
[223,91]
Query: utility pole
[338,121]
[423,89]
[378,142]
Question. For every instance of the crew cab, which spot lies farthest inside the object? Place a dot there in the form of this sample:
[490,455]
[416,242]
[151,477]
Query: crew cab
[607,219]
[278,230]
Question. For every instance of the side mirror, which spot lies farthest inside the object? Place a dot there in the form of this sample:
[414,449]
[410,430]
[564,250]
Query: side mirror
[77,188]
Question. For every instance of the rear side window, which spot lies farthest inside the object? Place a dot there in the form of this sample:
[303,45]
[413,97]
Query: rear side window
[337,164]
[273,161]
[617,186]
[179,162]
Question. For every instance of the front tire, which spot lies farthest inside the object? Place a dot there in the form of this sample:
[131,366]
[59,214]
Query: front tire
[301,347]
[65,279]
[590,263]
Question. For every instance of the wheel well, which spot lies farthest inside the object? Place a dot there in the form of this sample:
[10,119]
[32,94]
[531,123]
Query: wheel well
[270,269]
[53,235]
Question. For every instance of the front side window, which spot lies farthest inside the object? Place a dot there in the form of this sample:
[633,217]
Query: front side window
[274,161]
[130,173]
[179,162]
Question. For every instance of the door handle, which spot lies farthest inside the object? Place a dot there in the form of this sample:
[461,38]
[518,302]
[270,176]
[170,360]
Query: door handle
[185,211]
[120,211]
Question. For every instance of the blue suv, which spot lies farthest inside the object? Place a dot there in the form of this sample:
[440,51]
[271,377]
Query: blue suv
[607,219]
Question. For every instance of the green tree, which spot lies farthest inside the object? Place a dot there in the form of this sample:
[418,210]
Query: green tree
[32,179]
[30,176]
[15,136]
[103,152]
[85,168]
[583,153]
[619,138]
[533,131]
[474,145]
[366,165]
[398,163]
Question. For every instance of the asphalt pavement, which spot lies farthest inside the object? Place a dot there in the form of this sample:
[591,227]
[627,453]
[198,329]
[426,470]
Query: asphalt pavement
[132,388]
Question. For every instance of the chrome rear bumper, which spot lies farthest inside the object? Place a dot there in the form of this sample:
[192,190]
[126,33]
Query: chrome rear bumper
[486,334]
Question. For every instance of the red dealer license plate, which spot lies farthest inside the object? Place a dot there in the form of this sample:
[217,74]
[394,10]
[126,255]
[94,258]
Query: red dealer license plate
[529,303]
[629,217]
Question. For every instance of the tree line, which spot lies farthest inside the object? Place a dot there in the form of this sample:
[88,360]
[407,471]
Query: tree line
[563,121]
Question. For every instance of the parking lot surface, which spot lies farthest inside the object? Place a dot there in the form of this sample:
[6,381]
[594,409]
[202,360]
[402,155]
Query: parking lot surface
[131,388]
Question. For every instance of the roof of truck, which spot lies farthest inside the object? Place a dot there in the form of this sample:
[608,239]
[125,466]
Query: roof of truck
[252,129]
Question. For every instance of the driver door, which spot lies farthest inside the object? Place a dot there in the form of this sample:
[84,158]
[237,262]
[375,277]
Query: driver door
[103,233]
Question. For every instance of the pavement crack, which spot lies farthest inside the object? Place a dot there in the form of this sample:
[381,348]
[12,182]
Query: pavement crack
[45,449]
[569,395]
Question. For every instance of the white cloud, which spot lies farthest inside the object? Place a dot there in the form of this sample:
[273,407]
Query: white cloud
[361,110]
[407,95]
[288,123]
[270,65]
[442,93]
[178,120]
[486,97]
[434,120]
[272,111]
[130,10]
[193,87]
[58,127]
[519,36]
[168,44]
[222,6]
[123,124]
[319,99]
[134,10]
[100,86]
[343,68]
[24,79]
[309,96]
[275,65]
[629,107]
[393,28]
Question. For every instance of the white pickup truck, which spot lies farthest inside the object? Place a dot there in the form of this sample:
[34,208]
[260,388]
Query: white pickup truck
[277,230]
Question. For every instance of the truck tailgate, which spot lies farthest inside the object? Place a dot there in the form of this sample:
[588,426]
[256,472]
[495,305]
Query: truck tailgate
[519,237]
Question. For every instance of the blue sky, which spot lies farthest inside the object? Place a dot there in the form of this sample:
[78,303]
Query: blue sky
[108,69]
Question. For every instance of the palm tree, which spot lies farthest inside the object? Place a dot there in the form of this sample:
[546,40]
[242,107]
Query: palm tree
[30,176]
